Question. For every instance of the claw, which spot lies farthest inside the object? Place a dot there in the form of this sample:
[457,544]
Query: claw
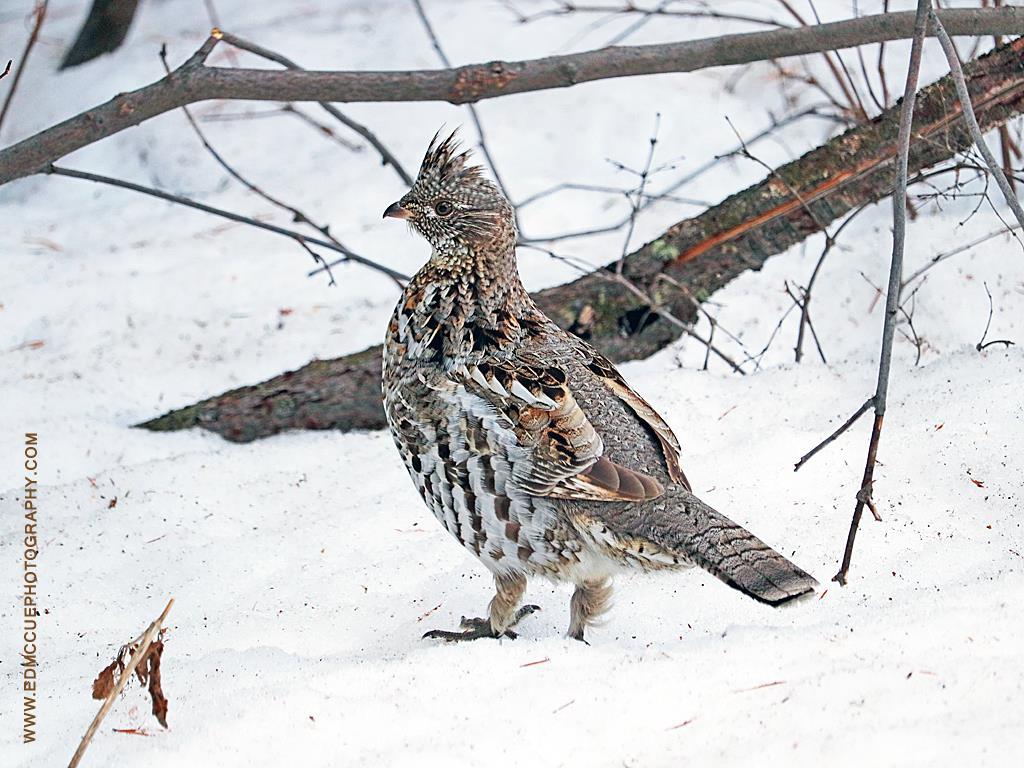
[475,628]
[523,612]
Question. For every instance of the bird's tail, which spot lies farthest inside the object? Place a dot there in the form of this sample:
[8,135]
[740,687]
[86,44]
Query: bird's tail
[740,559]
[684,525]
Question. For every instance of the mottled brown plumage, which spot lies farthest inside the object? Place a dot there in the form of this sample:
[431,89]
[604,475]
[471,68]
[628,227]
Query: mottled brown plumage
[525,442]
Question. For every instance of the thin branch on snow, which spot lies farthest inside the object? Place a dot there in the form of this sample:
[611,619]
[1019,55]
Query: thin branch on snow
[699,306]
[892,299]
[940,257]
[572,186]
[39,14]
[285,109]
[853,106]
[805,320]
[805,292]
[298,237]
[912,337]
[845,426]
[984,344]
[193,81]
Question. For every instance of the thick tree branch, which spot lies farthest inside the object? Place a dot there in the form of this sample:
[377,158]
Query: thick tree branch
[194,82]
[701,254]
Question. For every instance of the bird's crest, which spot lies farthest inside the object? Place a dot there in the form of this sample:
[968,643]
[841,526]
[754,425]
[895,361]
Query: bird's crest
[445,164]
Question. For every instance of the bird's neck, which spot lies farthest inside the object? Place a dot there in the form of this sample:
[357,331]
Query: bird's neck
[465,304]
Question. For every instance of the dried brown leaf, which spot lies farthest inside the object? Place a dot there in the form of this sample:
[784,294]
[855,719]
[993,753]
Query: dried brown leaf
[104,682]
[155,690]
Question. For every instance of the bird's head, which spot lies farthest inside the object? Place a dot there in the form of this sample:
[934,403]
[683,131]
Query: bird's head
[452,204]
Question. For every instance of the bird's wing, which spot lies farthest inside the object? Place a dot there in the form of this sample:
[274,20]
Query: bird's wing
[550,443]
[601,367]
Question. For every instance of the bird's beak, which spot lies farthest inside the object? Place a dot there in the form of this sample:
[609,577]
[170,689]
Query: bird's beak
[396,211]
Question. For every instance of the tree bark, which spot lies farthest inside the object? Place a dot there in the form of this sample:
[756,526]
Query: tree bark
[703,253]
[193,81]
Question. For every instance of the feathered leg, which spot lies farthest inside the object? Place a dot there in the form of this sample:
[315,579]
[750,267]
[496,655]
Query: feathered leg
[589,601]
[502,613]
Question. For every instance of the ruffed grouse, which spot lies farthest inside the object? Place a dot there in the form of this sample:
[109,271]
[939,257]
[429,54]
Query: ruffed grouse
[526,443]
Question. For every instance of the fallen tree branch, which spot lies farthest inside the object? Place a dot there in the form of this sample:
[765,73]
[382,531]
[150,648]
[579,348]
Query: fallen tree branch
[193,81]
[703,254]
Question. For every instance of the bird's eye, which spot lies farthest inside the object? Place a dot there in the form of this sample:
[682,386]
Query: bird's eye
[443,208]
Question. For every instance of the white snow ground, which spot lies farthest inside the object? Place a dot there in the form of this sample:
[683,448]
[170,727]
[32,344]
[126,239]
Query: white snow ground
[305,568]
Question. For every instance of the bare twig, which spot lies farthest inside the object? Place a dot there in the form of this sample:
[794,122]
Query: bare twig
[297,215]
[879,104]
[880,66]
[664,194]
[805,298]
[892,299]
[572,186]
[298,237]
[771,338]
[908,315]
[641,188]
[386,156]
[39,13]
[745,152]
[805,320]
[972,122]
[629,8]
[940,257]
[983,344]
[653,304]
[194,82]
[141,648]
[845,426]
[663,312]
[663,277]
[853,106]
[7,69]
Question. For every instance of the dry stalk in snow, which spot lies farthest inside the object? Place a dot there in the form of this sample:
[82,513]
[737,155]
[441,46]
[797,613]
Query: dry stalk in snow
[105,684]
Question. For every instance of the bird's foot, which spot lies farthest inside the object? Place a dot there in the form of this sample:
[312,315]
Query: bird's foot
[474,629]
[578,635]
